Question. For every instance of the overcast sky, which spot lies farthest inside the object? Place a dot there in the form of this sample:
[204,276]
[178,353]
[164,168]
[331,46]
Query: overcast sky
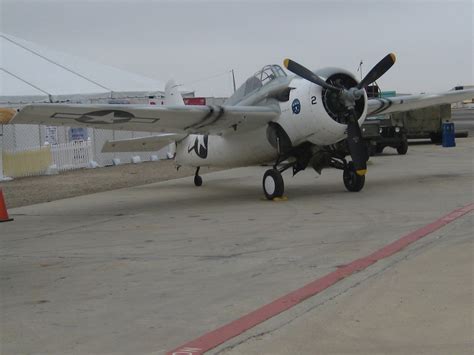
[192,40]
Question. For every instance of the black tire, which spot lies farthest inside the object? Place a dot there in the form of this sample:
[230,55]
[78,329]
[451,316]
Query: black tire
[379,149]
[197,180]
[273,185]
[372,150]
[402,149]
[435,138]
[352,181]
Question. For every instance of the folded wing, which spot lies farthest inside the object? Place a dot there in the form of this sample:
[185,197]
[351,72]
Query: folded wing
[169,119]
[410,102]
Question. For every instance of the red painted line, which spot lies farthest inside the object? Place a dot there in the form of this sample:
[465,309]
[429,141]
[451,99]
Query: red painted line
[220,335]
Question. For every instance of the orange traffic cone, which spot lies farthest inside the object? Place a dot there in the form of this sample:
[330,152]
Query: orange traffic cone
[3,209]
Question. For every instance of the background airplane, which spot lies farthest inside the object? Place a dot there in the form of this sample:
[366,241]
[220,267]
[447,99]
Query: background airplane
[293,121]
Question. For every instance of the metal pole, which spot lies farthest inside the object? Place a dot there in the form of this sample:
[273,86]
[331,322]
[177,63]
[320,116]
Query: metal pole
[39,136]
[233,80]
[2,177]
[55,63]
[50,97]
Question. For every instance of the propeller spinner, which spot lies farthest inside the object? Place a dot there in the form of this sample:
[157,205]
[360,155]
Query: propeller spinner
[348,98]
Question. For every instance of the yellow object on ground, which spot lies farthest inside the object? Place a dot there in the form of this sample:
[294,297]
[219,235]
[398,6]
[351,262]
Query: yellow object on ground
[27,163]
[6,114]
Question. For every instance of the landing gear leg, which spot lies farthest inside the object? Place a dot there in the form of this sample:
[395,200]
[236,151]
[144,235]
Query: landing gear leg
[197,178]
[296,158]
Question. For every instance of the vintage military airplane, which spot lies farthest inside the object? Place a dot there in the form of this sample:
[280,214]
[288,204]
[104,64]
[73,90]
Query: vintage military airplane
[293,121]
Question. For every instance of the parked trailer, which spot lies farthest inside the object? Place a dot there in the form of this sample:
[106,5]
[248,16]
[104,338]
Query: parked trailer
[423,123]
[394,130]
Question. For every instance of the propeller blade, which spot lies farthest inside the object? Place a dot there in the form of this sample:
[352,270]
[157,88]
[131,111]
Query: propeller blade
[378,70]
[356,145]
[307,74]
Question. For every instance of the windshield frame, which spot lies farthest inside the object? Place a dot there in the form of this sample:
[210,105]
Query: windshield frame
[269,73]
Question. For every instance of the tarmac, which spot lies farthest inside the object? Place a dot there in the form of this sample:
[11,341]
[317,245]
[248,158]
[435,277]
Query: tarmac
[419,303]
[146,269]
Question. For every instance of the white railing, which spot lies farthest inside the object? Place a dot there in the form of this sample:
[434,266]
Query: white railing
[72,155]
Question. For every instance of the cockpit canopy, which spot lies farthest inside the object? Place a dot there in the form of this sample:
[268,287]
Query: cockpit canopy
[266,75]
[269,73]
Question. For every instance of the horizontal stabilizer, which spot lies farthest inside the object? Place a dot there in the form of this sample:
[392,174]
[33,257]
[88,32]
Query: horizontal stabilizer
[142,144]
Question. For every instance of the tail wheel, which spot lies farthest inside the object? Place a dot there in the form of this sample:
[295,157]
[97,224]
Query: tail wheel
[352,181]
[197,180]
[273,185]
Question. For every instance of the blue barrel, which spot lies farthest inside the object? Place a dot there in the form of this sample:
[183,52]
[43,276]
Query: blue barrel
[448,135]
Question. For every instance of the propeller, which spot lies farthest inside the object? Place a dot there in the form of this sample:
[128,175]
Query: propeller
[307,74]
[348,98]
[378,70]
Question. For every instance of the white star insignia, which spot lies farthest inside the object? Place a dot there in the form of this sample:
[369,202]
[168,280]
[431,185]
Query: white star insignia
[109,118]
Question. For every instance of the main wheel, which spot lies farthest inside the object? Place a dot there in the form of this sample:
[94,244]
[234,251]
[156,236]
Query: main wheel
[352,181]
[273,185]
[197,180]
[402,149]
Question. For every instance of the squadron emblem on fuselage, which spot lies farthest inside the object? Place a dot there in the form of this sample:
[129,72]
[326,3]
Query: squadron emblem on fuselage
[200,146]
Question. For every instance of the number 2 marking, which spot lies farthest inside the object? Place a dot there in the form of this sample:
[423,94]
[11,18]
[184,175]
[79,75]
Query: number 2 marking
[313,100]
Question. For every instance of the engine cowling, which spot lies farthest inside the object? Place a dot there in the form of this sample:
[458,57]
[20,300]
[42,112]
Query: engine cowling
[340,78]
[313,114]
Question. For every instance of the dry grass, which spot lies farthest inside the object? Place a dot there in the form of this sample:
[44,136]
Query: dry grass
[38,189]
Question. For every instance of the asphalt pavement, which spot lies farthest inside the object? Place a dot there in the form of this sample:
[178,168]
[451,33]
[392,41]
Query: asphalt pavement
[146,269]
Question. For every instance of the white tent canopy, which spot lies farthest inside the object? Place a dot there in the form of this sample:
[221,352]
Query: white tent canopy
[31,73]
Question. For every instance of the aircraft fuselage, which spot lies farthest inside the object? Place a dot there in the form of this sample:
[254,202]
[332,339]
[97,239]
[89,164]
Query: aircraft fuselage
[303,117]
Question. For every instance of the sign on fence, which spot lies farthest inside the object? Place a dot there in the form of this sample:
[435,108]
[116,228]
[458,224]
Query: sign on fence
[77,134]
[51,135]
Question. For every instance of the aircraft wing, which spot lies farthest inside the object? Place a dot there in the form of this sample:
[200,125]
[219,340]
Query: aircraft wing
[141,144]
[378,106]
[145,118]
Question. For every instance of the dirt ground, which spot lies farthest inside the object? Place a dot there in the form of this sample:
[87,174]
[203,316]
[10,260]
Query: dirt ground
[37,189]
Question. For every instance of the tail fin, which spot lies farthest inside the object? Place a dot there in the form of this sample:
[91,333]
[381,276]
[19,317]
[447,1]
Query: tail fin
[172,95]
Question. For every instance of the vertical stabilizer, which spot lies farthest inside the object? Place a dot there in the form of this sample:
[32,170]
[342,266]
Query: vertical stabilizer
[172,95]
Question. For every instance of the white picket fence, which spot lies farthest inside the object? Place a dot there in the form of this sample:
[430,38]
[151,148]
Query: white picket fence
[72,155]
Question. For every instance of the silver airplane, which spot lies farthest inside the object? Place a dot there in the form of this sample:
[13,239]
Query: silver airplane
[292,121]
